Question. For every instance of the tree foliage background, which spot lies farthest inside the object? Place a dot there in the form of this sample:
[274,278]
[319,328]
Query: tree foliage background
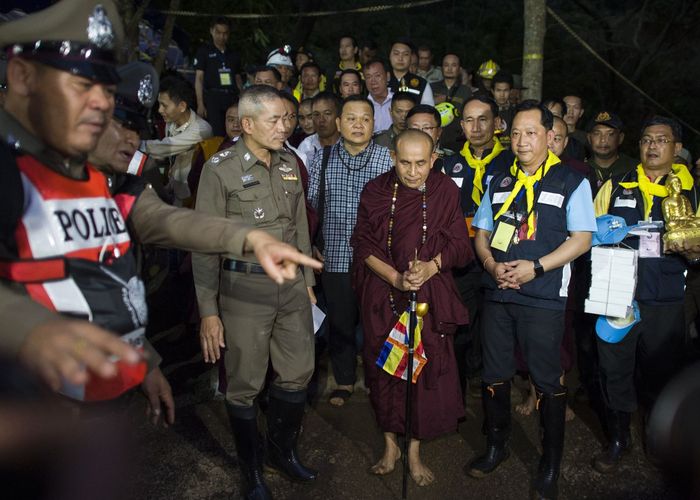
[652,42]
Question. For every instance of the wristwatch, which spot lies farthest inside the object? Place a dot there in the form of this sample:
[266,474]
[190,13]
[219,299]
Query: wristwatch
[539,270]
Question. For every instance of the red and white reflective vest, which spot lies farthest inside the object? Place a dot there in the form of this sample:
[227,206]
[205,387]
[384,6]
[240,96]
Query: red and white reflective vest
[74,257]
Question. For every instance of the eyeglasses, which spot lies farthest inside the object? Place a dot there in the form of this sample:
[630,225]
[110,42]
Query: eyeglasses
[427,130]
[660,141]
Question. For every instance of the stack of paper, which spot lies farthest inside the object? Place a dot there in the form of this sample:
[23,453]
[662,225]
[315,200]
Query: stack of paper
[613,280]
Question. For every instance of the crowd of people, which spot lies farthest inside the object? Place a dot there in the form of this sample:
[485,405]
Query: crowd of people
[384,177]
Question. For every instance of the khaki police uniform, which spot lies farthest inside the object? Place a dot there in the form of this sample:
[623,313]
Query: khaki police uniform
[262,320]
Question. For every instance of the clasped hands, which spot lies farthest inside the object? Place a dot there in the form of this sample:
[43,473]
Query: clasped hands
[418,272]
[511,274]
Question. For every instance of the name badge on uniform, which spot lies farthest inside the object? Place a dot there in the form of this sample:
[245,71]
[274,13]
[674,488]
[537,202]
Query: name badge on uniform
[225,77]
[650,245]
[500,197]
[502,237]
[548,198]
[626,202]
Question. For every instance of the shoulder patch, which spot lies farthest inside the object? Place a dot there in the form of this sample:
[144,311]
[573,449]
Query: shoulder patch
[221,155]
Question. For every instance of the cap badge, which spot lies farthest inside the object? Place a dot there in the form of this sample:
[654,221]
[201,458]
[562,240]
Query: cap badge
[258,213]
[414,82]
[145,91]
[603,117]
[99,28]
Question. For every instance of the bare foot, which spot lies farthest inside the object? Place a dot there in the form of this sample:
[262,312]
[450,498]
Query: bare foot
[340,401]
[419,472]
[570,415]
[392,454]
[528,405]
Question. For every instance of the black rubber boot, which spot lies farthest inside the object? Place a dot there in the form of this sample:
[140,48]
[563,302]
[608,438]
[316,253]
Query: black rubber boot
[496,401]
[619,430]
[552,418]
[284,416]
[250,448]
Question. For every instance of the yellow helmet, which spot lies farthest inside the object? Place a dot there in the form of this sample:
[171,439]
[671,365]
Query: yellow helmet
[488,69]
[447,113]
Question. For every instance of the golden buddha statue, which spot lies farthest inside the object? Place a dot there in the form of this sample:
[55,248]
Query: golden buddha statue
[682,225]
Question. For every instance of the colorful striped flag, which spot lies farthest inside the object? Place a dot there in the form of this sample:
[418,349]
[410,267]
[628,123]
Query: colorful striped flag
[394,355]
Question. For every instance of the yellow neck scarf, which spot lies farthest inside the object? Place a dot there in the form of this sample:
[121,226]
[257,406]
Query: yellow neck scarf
[479,167]
[650,189]
[527,181]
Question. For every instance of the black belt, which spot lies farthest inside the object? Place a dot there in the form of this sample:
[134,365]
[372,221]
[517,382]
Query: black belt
[242,267]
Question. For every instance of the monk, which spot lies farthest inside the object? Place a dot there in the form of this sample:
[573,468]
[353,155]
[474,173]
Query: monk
[411,244]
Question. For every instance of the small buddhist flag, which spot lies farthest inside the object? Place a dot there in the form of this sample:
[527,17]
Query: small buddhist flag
[394,355]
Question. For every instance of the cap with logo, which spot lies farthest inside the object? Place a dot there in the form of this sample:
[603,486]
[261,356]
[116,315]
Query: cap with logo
[280,57]
[607,118]
[613,330]
[79,36]
[136,94]
[612,229]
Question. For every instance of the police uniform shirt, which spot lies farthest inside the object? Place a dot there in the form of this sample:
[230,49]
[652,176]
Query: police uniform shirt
[237,185]
[220,68]
[413,84]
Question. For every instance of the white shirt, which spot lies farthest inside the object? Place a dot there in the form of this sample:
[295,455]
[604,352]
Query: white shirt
[179,142]
[382,114]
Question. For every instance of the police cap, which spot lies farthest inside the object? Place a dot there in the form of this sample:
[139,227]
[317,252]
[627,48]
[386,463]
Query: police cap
[136,94]
[79,36]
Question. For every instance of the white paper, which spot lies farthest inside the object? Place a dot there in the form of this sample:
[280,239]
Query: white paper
[318,316]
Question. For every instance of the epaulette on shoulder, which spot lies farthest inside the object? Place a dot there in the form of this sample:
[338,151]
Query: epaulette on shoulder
[220,156]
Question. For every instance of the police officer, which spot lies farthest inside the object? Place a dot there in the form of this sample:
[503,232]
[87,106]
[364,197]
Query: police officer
[65,247]
[257,182]
[652,349]
[216,79]
[534,219]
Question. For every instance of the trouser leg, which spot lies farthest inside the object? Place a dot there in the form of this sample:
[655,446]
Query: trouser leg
[343,317]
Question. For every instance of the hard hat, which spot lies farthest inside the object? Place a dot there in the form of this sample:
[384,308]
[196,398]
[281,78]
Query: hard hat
[447,113]
[488,69]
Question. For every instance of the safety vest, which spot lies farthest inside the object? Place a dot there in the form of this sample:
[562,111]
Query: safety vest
[74,257]
[552,195]
[659,280]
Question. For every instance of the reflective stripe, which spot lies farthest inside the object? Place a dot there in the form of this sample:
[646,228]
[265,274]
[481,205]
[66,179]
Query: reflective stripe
[33,271]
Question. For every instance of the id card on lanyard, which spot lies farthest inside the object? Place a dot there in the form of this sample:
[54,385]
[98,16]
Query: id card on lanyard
[225,77]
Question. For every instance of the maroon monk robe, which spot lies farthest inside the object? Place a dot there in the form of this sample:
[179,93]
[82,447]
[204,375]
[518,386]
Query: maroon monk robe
[437,401]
